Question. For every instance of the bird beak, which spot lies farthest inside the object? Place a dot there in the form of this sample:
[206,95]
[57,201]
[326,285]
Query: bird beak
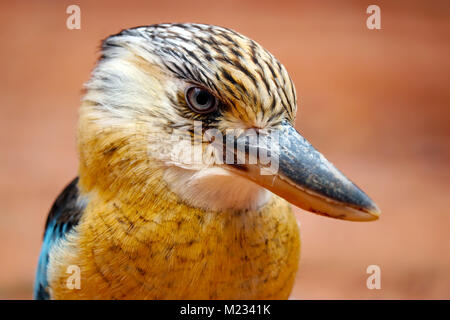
[300,174]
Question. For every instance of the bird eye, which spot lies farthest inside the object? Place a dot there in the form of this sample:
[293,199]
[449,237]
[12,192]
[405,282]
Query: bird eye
[200,100]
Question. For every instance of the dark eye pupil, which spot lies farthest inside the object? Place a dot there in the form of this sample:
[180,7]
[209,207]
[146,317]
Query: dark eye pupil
[203,97]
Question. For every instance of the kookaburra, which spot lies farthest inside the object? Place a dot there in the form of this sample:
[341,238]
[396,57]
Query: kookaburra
[143,221]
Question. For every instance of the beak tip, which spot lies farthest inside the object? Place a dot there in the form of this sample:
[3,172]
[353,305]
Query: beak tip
[365,204]
[373,212]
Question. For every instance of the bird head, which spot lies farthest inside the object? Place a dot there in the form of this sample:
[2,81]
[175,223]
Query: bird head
[207,114]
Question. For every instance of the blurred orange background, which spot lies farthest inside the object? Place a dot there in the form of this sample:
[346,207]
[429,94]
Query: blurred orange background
[375,102]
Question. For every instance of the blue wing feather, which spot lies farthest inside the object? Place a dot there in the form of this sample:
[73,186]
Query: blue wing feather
[64,215]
